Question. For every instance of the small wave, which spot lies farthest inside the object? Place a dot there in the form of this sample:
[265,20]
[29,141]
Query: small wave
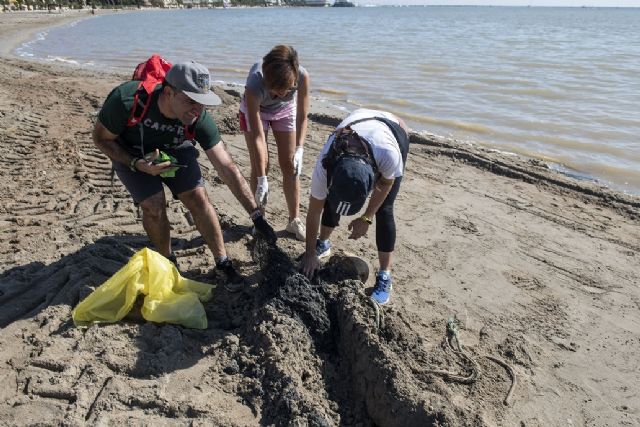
[454,125]
[401,102]
[611,68]
[539,93]
[39,37]
[376,107]
[227,70]
[515,150]
[612,172]
[330,91]
[358,104]
[25,49]
[584,146]
[340,107]
[449,123]
[434,68]
[230,84]
[618,177]
[60,59]
[73,23]
[501,82]
[546,65]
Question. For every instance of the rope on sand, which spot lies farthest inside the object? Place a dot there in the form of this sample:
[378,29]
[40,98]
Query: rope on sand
[453,340]
[454,376]
[512,373]
[452,334]
[452,337]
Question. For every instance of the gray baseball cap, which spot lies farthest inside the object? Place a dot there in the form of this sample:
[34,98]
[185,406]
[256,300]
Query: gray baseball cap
[194,80]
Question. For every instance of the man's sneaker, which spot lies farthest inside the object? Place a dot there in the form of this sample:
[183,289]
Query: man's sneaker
[174,260]
[297,228]
[323,248]
[235,282]
[382,289]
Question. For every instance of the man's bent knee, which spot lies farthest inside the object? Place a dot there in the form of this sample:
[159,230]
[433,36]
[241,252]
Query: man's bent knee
[154,207]
[196,199]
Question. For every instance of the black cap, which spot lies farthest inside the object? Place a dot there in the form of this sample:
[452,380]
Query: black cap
[352,180]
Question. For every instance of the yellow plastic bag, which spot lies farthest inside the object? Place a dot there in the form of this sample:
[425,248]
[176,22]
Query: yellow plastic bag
[169,297]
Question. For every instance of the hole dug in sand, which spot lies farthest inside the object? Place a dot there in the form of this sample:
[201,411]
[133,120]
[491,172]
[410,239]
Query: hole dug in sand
[318,358]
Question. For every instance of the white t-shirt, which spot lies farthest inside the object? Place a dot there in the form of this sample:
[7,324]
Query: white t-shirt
[386,150]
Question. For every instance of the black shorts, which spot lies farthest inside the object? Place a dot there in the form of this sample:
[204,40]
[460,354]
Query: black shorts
[141,185]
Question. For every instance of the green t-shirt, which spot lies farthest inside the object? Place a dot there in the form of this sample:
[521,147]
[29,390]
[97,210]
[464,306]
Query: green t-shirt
[158,131]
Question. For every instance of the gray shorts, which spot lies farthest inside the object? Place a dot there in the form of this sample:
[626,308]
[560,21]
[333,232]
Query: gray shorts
[142,186]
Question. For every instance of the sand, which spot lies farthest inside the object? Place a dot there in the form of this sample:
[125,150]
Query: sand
[541,272]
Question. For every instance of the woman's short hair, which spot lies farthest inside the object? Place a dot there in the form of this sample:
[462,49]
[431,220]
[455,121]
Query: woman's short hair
[280,67]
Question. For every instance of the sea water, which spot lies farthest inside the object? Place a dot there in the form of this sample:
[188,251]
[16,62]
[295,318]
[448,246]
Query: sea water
[557,84]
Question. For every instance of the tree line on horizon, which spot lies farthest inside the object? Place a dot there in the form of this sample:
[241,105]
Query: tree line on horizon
[113,4]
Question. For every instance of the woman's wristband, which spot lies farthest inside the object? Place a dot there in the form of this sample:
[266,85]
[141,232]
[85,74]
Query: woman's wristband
[366,219]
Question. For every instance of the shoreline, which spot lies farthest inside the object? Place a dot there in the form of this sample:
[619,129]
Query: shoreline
[17,36]
[31,23]
[588,186]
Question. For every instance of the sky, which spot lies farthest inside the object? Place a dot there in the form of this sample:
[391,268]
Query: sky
[598,3]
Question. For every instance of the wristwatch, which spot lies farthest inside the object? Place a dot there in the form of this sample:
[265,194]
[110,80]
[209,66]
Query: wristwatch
[132,164]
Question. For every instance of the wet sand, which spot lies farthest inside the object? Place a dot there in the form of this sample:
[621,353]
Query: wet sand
[541,271]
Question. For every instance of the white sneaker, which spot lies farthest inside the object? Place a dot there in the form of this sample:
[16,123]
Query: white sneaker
[297,227]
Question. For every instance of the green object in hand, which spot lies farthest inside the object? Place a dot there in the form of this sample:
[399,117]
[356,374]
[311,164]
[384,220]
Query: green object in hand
[164,157]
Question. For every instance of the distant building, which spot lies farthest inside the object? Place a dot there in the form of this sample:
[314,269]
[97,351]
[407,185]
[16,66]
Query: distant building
[317,3]
[343,3]
[190,3]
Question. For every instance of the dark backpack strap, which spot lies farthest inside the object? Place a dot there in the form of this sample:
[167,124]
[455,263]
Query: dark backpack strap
[338,149]
[399,134]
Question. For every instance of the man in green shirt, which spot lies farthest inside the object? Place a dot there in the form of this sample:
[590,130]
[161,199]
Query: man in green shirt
[158,151]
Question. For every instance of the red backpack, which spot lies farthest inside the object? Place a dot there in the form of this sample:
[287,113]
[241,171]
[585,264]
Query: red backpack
[151,73]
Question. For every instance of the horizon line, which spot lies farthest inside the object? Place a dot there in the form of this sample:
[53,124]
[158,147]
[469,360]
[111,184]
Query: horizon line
[497,5]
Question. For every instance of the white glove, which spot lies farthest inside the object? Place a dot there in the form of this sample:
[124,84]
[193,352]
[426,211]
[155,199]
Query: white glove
[297,161]
[262,192]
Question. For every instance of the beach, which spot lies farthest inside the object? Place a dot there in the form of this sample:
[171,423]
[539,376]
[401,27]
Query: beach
[540,271]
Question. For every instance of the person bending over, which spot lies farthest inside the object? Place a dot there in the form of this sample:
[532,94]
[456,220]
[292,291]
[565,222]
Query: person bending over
[277,95]
[365,155]
[157,151]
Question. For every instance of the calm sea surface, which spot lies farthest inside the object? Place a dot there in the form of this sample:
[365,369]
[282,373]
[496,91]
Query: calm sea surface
[559,84]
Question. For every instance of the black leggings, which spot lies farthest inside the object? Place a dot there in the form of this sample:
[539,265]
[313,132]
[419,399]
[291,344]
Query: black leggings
[385,220]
